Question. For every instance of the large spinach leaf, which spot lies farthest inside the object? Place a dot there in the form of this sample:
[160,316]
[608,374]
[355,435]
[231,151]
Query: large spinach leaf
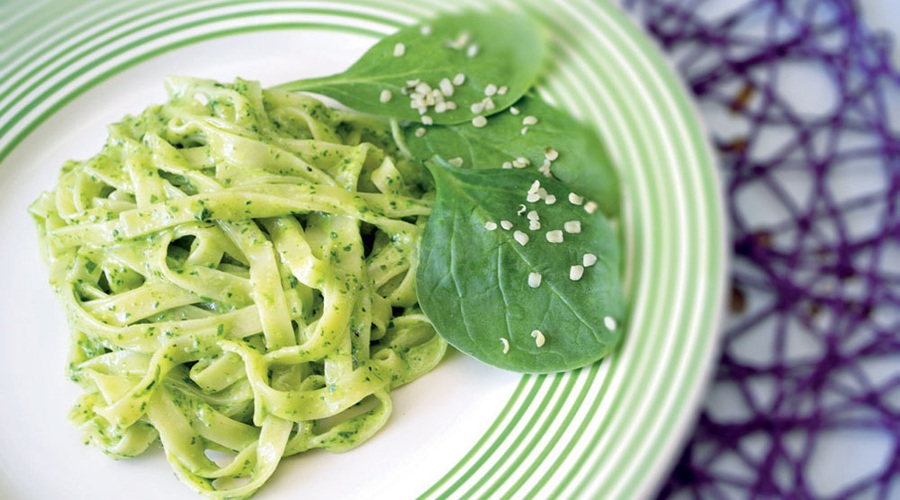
[475,280]
[500,53]
[573,152]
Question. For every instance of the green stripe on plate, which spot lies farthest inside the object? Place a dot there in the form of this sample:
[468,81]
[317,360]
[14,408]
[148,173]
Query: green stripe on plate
[131,48]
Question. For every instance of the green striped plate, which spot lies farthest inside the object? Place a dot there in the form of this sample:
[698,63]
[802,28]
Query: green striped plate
[610,430]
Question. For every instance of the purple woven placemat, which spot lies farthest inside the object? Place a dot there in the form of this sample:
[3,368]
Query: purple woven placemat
[803,106]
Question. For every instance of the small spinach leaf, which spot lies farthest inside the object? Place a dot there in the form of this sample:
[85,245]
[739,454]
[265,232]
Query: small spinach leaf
[502,49]
[578,156]
[473,283]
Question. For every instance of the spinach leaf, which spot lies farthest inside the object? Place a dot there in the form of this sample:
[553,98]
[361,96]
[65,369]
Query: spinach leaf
[498,52]
[582,159]
[475,283]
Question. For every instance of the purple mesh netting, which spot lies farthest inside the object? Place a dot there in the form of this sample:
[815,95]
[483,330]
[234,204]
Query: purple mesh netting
[804,107]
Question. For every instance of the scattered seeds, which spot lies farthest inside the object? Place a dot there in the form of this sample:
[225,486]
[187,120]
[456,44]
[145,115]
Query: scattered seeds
[533,215]
[427,120]
[534,225]
[522,209]
[425,30]
[591,207]
[589,260]
[551,154]
[505,224]
[524,130]
[529,120]
[550,199]
[479,121]
[545,169]
[399,50]
[456,162]
[514,110]
[490,225]
[472,50]
[420,131]
[503,90]
[459,79]
[477,107]
[534,280]
[507,164]
[505,345]
[575,199]
[385,96]
[490,89]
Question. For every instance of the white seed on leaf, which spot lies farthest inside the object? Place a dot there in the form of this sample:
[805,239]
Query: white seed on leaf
[456,162]
[520,237]
[538,338]
[575,199]
[572,226]
[591,207]
[505,345]
[459,79]
[610,323]
[420,131]
[385,96]
[534,280]
[490,225]
[529,120]
[446,87]
[399,50]
[479,121]
[555,236]
[576,272]
[505,224]
[589,260]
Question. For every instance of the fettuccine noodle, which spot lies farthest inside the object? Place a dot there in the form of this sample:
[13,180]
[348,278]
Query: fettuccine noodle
[237,268]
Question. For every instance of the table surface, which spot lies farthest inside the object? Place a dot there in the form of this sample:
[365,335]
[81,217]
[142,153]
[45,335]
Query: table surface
[749,440]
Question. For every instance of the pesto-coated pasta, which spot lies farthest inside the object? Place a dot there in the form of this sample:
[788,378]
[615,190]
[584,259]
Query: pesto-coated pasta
[237,268]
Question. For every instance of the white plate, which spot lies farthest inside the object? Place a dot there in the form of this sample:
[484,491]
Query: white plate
[464,430]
